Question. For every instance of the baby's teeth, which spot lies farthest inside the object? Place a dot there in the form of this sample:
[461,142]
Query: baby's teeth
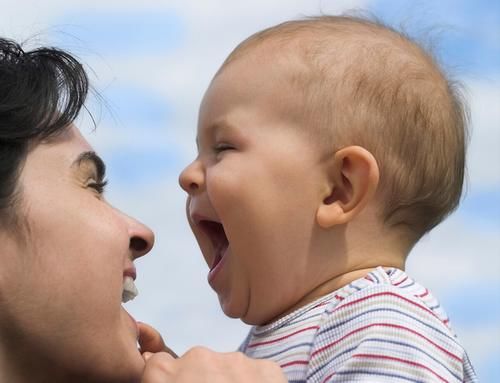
[129,289]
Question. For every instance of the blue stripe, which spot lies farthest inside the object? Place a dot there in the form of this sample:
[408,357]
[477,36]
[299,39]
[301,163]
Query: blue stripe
[286,349]
[327,329]
[373,275]
[391,272]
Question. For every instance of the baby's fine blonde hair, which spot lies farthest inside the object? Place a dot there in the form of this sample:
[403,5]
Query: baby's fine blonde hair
[363,83]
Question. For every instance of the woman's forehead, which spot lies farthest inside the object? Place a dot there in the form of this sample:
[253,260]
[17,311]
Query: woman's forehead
[70,139]
[61,151]
[71,135]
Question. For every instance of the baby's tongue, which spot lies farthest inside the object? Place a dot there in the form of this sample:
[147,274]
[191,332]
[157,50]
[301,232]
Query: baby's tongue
[219,253]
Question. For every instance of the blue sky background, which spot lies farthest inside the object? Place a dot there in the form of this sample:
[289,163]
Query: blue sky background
[152,62]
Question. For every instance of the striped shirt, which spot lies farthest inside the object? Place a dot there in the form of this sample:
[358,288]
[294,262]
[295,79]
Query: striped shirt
[384,327]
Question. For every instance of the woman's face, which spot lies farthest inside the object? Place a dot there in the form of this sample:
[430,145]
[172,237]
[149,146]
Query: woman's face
[61,276]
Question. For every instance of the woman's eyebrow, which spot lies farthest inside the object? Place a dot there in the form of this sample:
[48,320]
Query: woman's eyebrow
[94,159]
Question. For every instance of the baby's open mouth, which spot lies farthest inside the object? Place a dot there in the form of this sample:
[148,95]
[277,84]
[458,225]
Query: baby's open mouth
[215,231]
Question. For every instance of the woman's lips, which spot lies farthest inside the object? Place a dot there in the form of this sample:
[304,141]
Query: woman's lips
[130,272]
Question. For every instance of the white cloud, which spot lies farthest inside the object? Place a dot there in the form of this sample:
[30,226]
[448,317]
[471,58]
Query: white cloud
[481,343]
[447,257]
[484,154]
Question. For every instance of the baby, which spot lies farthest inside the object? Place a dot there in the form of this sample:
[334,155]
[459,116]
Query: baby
[327,147]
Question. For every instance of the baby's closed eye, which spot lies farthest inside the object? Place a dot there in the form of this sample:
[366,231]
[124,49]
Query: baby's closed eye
[223,146]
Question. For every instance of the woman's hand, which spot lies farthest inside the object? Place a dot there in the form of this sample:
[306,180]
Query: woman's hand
[200,364]
[151,341]
[203,365]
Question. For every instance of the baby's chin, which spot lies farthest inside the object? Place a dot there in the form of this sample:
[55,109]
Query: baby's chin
[247,315]
[236,311]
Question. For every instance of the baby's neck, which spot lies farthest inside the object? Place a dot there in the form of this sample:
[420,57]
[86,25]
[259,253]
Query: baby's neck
[336,282]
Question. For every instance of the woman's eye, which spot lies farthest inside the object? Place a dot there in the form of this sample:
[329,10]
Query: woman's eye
[98,186]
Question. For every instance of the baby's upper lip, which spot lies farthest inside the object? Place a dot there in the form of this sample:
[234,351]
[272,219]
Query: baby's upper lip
[197,218]
[214,230]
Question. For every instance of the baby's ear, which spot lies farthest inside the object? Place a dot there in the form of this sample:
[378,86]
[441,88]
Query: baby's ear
[353,176]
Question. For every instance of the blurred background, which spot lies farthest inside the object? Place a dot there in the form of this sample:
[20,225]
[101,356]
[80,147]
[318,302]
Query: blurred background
[152,61]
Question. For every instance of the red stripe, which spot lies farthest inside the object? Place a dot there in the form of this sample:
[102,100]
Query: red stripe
[398,283]
[283,337]
[328,377]
[294,363]
[423,294]
[411,363]
[386,325]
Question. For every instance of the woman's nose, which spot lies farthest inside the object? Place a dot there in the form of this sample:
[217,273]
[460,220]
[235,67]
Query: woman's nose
[141,237]
[192,178]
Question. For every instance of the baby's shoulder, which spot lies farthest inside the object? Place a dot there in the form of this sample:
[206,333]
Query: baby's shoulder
[387,296]
[385,320]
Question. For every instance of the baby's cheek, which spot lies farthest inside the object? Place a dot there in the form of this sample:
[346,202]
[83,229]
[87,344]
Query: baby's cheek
[222,182]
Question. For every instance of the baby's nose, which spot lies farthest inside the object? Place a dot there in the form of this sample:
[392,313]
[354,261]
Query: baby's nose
[192,178]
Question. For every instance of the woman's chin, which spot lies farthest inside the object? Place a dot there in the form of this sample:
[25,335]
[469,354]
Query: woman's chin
[128,369]
[130,323]
[124,363]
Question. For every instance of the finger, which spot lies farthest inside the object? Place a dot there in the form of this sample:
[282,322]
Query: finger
[150,340]
[160,368]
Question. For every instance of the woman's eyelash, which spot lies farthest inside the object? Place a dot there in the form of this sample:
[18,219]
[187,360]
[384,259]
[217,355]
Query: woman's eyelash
[98,186]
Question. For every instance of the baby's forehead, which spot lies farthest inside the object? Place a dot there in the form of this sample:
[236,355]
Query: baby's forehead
[256,75]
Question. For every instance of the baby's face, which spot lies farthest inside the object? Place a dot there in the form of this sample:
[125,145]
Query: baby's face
[254,190]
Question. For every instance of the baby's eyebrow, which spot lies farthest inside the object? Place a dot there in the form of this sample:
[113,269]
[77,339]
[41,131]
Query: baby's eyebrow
[218,126]
[212,129]
[92,158]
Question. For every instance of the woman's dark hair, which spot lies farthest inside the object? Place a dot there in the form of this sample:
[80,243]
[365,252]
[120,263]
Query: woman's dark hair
[41,93]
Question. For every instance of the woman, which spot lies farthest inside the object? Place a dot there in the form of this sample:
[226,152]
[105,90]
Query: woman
[67,255]
[65,251]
